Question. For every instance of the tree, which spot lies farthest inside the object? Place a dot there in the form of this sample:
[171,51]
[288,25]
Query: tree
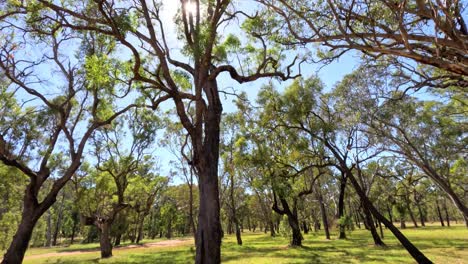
[314,115]
[431,33]
[427,135]
[186,82]
[44,135]
[115,169]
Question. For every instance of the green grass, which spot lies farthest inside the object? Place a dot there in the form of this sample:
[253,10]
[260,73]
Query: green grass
[441,245]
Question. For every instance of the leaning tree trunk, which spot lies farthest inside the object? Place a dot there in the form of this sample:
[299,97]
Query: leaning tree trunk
[370,223]
[412,249]
[208,242]
[454,197]
[32,211]
[18,246]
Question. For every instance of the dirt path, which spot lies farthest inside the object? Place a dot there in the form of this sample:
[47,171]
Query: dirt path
[167,243]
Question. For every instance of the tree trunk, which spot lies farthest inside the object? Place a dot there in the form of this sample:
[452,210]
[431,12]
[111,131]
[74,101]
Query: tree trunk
[412,250]
[272,228]
[206,158]
[421,215]
[389,210]
[455,199]
[191,218]
[238,234]
[370,223]
[415,223]
[169,229]
[296,231]
[59,221]
[293,221]
[447,219]
[104,241]
[48,241]
[305,227]
[341,205]
[381,230]
[75,224]
[323,212]
[140,228]
[229,227]
[31,213]
[439,213]
[72,240]
[19,244]
[118,239]
[356,218]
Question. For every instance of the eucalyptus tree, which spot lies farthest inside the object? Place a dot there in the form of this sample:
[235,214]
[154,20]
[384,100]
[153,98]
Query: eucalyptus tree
[295,162]
[143,192]
[429,135]
[310,112]
[232,148]
[48,121]
[190,78]
[431,33]
[178,143]
[117,166]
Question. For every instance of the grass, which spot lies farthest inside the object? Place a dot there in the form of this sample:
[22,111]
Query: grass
[441,245]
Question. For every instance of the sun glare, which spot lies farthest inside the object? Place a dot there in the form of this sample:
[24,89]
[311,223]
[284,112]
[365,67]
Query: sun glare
[190,7]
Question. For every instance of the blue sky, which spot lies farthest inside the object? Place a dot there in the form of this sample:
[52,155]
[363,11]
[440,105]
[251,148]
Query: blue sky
[329,74]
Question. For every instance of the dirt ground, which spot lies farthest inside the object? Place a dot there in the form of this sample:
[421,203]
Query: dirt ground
[167,243]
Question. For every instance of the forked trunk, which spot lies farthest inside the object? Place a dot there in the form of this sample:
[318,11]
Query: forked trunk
[296,231]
